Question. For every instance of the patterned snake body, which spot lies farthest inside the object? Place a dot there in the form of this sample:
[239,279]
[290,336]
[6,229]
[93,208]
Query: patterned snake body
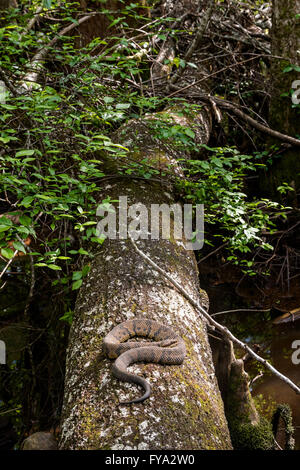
[168,348]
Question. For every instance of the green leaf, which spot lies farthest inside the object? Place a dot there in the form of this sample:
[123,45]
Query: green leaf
[6,221]
[7,253]
[25,220]
[190,133]
[90,222]
[116,21]
[26,202]
[176,61]
[19,246]
[76,284]
[6,139]
[23,153]
[4,228]
[99,240]
[47,4]
[108,99]
[76,275]
[83,252]
[67,317]
[85,270]
[122,106]
[54,267]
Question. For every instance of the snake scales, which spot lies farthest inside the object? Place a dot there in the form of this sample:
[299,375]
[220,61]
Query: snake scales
[167,348]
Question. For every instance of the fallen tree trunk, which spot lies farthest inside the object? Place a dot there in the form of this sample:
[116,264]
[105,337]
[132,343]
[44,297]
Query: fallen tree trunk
[185,410]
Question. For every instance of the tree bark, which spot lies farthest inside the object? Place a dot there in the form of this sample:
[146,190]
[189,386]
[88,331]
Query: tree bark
[185,410]
[4,4]
[285,35]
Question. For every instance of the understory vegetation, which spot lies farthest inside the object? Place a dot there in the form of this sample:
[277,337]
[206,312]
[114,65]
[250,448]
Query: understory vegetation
[62,99]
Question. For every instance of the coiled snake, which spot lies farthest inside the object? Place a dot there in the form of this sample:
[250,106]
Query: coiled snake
[168,348]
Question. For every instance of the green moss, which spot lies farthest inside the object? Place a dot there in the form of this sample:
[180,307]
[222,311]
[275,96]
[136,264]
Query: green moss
[248,430]
[246,436]
[284,412]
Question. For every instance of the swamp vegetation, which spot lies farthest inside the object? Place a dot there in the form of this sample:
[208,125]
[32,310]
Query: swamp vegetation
[160,101]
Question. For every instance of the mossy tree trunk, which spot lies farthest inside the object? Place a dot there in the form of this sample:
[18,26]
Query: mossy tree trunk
[185,410]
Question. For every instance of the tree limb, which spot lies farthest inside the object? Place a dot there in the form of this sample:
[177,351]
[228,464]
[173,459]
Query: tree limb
[257,125]
[35,63]
[33,20]
[196,41]
[215,324]
[7,83]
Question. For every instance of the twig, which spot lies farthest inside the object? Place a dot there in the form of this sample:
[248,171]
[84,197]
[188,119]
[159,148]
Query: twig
[35,63]
[257,125]
[8,84]
[257,377]
[213,252]
[239,310]
[178,90]
[196,41]
[8,264]
[32,283]
[279,448]
[33,20]
[215,324]
[8,411]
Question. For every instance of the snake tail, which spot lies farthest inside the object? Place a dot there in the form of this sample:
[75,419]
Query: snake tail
[119,370]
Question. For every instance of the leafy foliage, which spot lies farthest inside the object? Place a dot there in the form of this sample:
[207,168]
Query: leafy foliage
[52,183]
[218,182]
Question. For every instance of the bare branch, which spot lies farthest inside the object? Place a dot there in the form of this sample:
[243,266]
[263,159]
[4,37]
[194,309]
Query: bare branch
[32,283]
[33,20]
[8,264]
[7,82]
[36,62]
[196,41]
[257,125]
[238,112]
[215,324]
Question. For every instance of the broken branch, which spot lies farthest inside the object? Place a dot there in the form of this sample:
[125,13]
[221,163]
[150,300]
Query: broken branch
[212,322]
